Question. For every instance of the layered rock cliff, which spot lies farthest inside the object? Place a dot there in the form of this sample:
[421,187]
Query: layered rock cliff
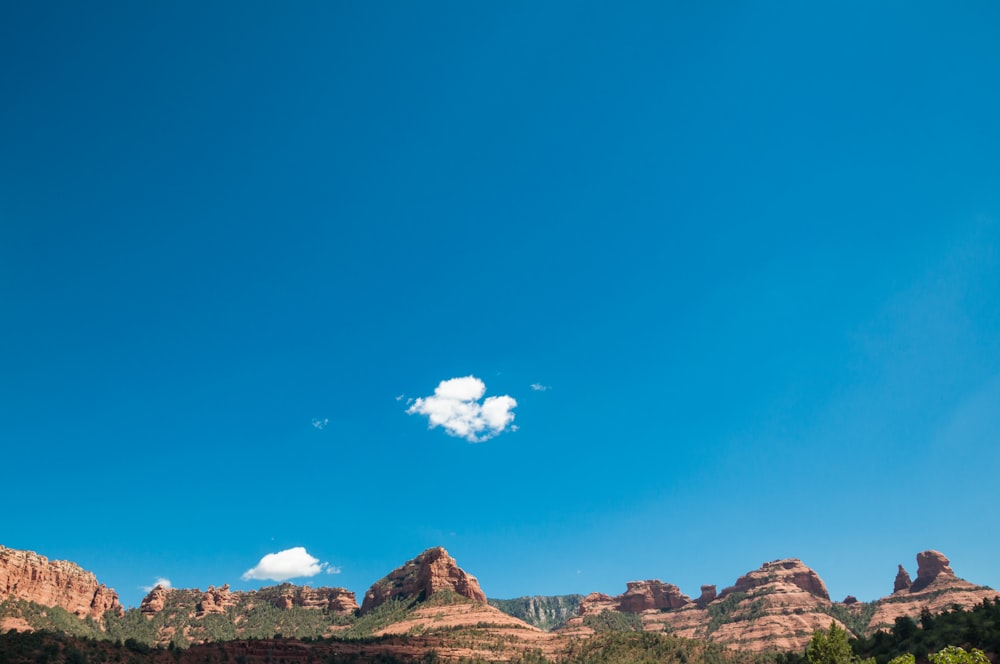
[430,572]
[28,576]
[776,607]
[337,601]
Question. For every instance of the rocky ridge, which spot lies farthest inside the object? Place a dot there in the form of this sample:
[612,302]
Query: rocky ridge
[29,576]
[935,589]
[775,607]
[430,572]
[779,605]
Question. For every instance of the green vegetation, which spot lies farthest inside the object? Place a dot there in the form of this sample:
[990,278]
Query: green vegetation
[856,620]
[544,612]
[720,613]
[975,628]
[832,647]
[650,648]
[613,621]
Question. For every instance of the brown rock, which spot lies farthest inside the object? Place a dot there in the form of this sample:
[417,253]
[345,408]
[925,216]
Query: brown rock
[654,594]
[34,578]
[708,593]
[216,600]
[850,599]
[902,582]
[154,602]
[789,571]
[335,600]
[931,565]
[430,572]
[936,589]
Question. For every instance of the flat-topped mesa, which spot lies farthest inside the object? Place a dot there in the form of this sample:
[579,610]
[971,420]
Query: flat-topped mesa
[652,594]
[787,571]
[34,578]
[430,572]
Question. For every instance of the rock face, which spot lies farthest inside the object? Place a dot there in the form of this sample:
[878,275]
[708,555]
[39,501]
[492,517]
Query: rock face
[29,576]
[903,581]
[339,601]
[215,600]
[789,571]
[935,589]
[654,594]
[931,565]
[154,602]
[544,612]
[778,606]
[430,572]
[708,593]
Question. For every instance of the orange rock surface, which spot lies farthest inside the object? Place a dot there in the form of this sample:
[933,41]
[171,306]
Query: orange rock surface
[34,578]
[430,572]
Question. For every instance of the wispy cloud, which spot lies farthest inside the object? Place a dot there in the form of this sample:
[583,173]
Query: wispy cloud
[538,387]
[455,405]
[333,570]
[321,424]
[160,581]
[283,565]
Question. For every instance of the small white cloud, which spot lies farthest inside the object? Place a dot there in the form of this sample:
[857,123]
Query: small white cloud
[321,424]
[455,406]
[160,581]
[284,565]
[333,570]
[400,397]
[538,387]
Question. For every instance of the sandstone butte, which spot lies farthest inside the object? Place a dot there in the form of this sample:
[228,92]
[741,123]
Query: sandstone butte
[430,572]
[778,606]
[29,576]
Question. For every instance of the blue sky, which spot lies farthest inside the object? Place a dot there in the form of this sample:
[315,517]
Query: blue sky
[750,249]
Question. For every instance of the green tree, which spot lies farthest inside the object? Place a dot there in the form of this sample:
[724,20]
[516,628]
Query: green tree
[956,655]
[830,647]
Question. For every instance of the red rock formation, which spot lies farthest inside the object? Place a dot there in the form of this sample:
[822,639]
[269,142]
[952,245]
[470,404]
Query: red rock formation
[644,595]
[29,576]
[708,593]
[789,570]
[334,600]
[154,602]
[936,589]
[902,581]
[594,603]
[430,572]
[215,600]
[931,565]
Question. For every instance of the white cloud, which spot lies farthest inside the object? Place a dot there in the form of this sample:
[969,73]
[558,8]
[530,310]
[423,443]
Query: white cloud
[284,565]
[321,424]
[455,406]
[160,581]
[538,387]
[333,570]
